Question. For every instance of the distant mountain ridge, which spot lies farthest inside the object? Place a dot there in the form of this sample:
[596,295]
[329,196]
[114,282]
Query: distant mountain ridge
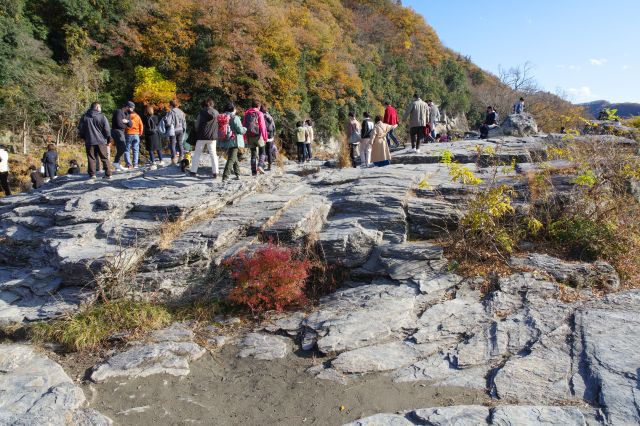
[625,109]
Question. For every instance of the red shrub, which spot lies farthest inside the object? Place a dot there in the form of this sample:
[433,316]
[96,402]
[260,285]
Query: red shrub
[269,279]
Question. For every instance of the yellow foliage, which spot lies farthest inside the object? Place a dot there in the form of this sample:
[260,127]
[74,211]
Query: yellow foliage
[152,88]
[463,175]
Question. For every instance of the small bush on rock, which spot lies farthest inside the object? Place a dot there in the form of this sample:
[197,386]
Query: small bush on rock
[269,279]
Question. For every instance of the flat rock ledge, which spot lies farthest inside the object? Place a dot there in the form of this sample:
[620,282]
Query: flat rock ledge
[35,390]
[479,415]
[264,346]
[168,351]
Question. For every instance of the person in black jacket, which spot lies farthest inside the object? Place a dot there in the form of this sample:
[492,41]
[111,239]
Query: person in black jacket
[206,135]
[490,122]
[94,130]
[50,162]
[119,123]
[152,135]
[74,168]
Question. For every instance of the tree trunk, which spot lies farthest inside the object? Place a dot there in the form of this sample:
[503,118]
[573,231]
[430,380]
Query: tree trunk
[25,147]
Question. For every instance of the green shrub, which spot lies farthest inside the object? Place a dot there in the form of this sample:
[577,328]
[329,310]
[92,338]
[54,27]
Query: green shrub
[585,238]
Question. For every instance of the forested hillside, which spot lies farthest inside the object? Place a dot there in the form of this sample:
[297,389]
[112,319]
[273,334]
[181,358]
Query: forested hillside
[317,58]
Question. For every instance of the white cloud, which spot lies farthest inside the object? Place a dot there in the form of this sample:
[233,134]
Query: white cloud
[626,67]
[598,62]
[582,94]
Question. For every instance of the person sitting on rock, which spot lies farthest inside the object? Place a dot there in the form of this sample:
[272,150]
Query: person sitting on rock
[518,107]
[36,177]
[74,168]
[490,122]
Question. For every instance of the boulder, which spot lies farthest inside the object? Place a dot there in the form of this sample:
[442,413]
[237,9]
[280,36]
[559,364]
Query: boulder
[516,125]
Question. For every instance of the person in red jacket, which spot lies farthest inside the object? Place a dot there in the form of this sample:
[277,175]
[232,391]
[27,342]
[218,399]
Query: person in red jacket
[391,118]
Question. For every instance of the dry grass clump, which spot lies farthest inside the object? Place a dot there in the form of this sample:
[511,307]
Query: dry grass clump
[344,159]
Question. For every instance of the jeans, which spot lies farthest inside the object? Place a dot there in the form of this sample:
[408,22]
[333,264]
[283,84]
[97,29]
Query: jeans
[392,137]
[417,134]
[307,151]
[121,144]
[433,131]
[176,144]
[301,151]
[213,155]
[133,144]
[97,153]
[232,164]
[152,158]
[255,162]
[4,183]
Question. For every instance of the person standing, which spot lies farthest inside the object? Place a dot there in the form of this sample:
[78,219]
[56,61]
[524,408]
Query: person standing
[434,117]
[310,138]
[490,122]
[50,162]
[271,135]
[4,171]
[353,137]
[152,136]
[391,118]
[206,136]
[132,138]
[234,140]
[518,107]
[256,136]
[120,122]
[366,132]
[301,138]
[418,112]
[94,130]
[380,152]
[176,123]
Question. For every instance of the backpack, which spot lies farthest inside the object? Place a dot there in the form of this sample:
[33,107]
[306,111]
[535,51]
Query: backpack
[252,123]
[271,126]
[301,135]
[354,134]
[162,127]
[224,127]
[367,129]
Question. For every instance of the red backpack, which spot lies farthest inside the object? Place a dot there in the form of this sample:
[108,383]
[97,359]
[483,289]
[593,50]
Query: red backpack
[252,123]
[224,127]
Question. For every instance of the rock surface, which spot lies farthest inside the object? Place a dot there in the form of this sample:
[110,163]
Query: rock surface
[35,390]
[264,346]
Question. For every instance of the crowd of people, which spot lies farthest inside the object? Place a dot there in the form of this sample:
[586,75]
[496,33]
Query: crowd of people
[370,140]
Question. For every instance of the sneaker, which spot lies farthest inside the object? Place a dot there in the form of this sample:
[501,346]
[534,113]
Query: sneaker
[153,167]
[92,178]
[260,170]
[107,177]
[160,164]
[47,180]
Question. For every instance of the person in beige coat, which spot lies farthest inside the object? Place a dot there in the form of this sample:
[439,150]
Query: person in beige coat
[380,153]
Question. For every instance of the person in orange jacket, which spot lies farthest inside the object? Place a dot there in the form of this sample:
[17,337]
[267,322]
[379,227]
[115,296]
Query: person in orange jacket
[132,138]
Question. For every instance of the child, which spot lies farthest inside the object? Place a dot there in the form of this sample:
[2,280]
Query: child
[301,138]
[36,177]
[50,162]
[74,168]
[185,163]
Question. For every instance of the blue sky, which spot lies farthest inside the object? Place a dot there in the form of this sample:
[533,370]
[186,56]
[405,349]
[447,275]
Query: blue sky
[589,49]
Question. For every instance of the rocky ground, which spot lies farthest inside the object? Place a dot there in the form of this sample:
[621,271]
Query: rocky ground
[404,340]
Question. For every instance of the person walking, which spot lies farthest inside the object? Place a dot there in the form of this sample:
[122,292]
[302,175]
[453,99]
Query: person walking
[234,140]
[380,152]
[518,107]
[434,118]
[366,133]
[301,138]
[50,162]
[4,170]
[310,139]
[256,136]
[418,113]
[152,136]
[132,138]
[271,136]
[206,136]
[490,122]
[353,137]
[176,124]
[120,122]
[391,118]
[94,130]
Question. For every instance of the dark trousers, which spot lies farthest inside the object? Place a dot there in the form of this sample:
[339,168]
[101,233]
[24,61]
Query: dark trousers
[391,136]
[417,134]
[121,144]
[98,153]
[269,147]
[4,183]
[255,160]
[50,170]
[352,154]
[307,151]
[152,158]
[232,164]
[301,151]
[176,145]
